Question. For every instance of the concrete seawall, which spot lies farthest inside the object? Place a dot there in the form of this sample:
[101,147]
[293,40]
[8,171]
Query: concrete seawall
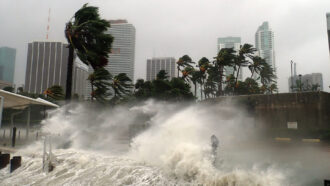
[309,110]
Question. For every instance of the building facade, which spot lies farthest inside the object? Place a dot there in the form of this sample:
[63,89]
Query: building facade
[7,64]
[154,65]
[328,28]
[230,42]
[47,64]
[264,43]
[122,57]
[307,82]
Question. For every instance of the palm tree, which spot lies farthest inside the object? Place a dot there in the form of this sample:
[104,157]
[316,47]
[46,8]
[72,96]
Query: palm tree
[139,84]
[203,65]
[210,88]
[121,85]
[195,77]
[273,88]
[230,84]
[184,61]
[225,57]
[54,92]
[213,77]
[246,51]
[99,80]
[256,65]
[267,75]
[86,36]
[188,70]
[252,86]
[162,75]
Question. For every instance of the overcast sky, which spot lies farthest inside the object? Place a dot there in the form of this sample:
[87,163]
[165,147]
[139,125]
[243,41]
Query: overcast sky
[177,27]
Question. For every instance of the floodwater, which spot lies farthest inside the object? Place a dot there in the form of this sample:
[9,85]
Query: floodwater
[165,144]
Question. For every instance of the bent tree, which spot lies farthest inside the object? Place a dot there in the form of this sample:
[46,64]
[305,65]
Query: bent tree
[85,33]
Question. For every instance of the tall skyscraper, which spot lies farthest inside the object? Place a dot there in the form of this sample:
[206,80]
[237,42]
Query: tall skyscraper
[328,26]
[7,64]
[154,65]
[47,64]
[122,55]
[230,42]
[264,43]
[121,58]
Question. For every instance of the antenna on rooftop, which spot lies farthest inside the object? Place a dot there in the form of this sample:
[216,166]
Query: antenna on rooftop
[48,23]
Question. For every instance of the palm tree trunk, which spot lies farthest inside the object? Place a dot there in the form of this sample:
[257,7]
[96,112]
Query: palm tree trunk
[203,87]
[195,89]
[219,93]
[92,93]
[69,75]
[237,74]
[201,91]
[252,73]
[178,71]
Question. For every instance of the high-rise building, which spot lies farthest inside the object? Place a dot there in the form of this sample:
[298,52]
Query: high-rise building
[328,26]
[264,43]
[154,65]
[121,58]
[122,55]
[307,82]
[7,64]
[313,79]
[47,64]
[230,42]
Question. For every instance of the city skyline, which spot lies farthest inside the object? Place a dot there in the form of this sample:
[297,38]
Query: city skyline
[166,35]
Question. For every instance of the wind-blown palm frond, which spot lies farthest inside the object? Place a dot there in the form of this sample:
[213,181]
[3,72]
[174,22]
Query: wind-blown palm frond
[100,81]
[121,85]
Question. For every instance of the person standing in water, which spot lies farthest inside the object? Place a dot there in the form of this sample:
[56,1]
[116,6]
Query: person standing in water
[214,145]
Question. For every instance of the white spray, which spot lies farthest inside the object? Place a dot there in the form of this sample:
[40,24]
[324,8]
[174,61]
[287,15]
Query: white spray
[98,147]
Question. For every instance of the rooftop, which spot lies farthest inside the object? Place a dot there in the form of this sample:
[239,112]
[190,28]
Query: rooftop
[118,21]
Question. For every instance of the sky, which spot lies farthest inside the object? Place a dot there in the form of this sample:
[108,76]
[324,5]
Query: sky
[173,28]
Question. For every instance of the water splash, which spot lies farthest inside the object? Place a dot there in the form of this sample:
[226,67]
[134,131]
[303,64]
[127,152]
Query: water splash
[98,147]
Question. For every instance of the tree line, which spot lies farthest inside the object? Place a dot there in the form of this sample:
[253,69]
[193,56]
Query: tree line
[214,80]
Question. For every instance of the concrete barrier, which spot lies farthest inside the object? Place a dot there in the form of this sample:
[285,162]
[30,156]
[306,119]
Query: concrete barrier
[4,160]
[15,163]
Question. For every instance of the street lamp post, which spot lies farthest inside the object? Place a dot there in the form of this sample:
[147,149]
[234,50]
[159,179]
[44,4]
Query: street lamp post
[300,82]
[291,77]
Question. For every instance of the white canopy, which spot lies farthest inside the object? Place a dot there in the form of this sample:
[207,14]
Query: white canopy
[12,100]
